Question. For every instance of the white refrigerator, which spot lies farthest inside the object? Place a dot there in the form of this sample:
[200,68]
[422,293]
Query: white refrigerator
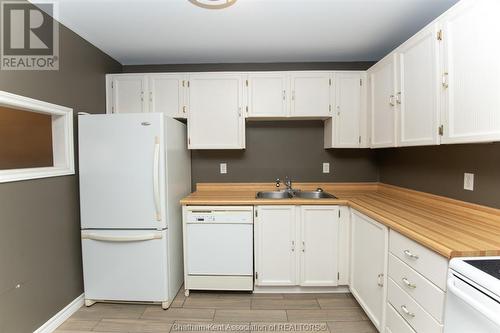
[134,169]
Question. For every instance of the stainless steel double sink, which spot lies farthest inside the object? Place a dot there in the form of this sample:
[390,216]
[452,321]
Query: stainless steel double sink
[287,194]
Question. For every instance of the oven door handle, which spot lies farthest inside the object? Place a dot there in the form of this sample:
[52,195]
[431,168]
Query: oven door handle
[473,303]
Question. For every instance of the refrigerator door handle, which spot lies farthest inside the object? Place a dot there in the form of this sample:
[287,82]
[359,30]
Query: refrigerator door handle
[156,178]
[132,238]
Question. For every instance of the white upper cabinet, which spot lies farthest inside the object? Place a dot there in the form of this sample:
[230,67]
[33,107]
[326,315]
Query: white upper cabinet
[417,97]
[275,246]
[311,94]
[347,127]
[319,245]
[369,252]
[215,102]
[268,94]
[383,103]
[126,93]
[166,94]
[471,72]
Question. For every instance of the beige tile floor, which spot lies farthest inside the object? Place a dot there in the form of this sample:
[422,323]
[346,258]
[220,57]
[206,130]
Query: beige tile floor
[227,312]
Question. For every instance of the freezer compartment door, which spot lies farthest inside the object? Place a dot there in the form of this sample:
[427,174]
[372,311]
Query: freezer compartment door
[219,249]
[122,172]
[125,265]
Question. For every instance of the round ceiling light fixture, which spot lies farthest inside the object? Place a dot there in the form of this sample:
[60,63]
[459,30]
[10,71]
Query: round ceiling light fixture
[213,4]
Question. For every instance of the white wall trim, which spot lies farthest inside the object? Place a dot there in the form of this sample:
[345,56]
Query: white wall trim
[62,138]
[60,317]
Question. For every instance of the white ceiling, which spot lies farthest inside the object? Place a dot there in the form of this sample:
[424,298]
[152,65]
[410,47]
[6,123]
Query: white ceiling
[176,31]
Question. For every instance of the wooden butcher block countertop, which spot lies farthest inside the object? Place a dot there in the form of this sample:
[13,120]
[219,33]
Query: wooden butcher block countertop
[449,227]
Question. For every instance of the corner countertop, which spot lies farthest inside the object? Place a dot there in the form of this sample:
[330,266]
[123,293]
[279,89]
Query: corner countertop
[449,227]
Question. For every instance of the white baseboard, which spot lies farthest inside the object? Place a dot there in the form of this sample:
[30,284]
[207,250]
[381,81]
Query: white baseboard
[299,289]
[60,317]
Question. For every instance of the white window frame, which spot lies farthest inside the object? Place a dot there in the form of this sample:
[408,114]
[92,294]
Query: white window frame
[62,138]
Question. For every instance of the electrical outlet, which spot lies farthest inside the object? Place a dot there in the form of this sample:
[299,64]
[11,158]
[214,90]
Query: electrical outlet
[326,167]
[469,181]
[223,168]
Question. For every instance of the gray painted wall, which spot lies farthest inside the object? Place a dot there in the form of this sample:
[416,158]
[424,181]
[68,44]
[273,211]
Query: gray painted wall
[440,170]
[279,148]
[284,148]
[39,219]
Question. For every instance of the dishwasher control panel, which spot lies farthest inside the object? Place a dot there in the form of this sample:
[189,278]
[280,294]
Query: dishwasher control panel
[220,215]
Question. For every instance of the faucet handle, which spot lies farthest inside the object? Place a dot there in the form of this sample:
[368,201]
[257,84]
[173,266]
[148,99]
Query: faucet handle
[288,183]
[278,182]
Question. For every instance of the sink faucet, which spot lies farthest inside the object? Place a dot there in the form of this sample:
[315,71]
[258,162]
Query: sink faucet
[278,182]
[288,184]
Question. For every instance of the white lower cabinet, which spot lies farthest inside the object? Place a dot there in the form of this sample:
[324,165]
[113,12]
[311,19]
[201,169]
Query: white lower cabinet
[275,244]
[297,245]
[417,284]
[319,233]
[411,311]
[369,247]
[394,323]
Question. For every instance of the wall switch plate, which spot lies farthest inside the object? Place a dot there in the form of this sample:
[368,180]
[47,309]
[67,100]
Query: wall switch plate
[326,167]
[469,181]
[223,168]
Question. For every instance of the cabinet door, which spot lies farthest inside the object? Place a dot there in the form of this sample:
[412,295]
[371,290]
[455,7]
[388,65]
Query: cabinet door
[215,119]
[319,233]
[418,93]
[471,73]
[166,94]
[348,110]
[127,93]
[383,103]
[311,94]
[267,94]
[369,250]
[275,246]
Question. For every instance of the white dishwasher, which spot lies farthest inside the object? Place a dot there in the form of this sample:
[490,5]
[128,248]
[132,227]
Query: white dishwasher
[218,248]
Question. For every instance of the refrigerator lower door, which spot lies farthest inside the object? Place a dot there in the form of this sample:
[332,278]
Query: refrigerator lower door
[122,171]
[125,265]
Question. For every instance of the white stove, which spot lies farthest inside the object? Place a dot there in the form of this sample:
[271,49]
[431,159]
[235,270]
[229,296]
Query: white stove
[473,296]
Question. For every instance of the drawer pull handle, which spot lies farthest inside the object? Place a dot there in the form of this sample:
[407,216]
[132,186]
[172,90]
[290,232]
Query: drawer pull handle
[408,283]
[410,255]
[406,312]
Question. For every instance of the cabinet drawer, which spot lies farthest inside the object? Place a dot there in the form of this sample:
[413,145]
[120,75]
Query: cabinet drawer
[428,263]
[394,323]
[430,297]
[414,314]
